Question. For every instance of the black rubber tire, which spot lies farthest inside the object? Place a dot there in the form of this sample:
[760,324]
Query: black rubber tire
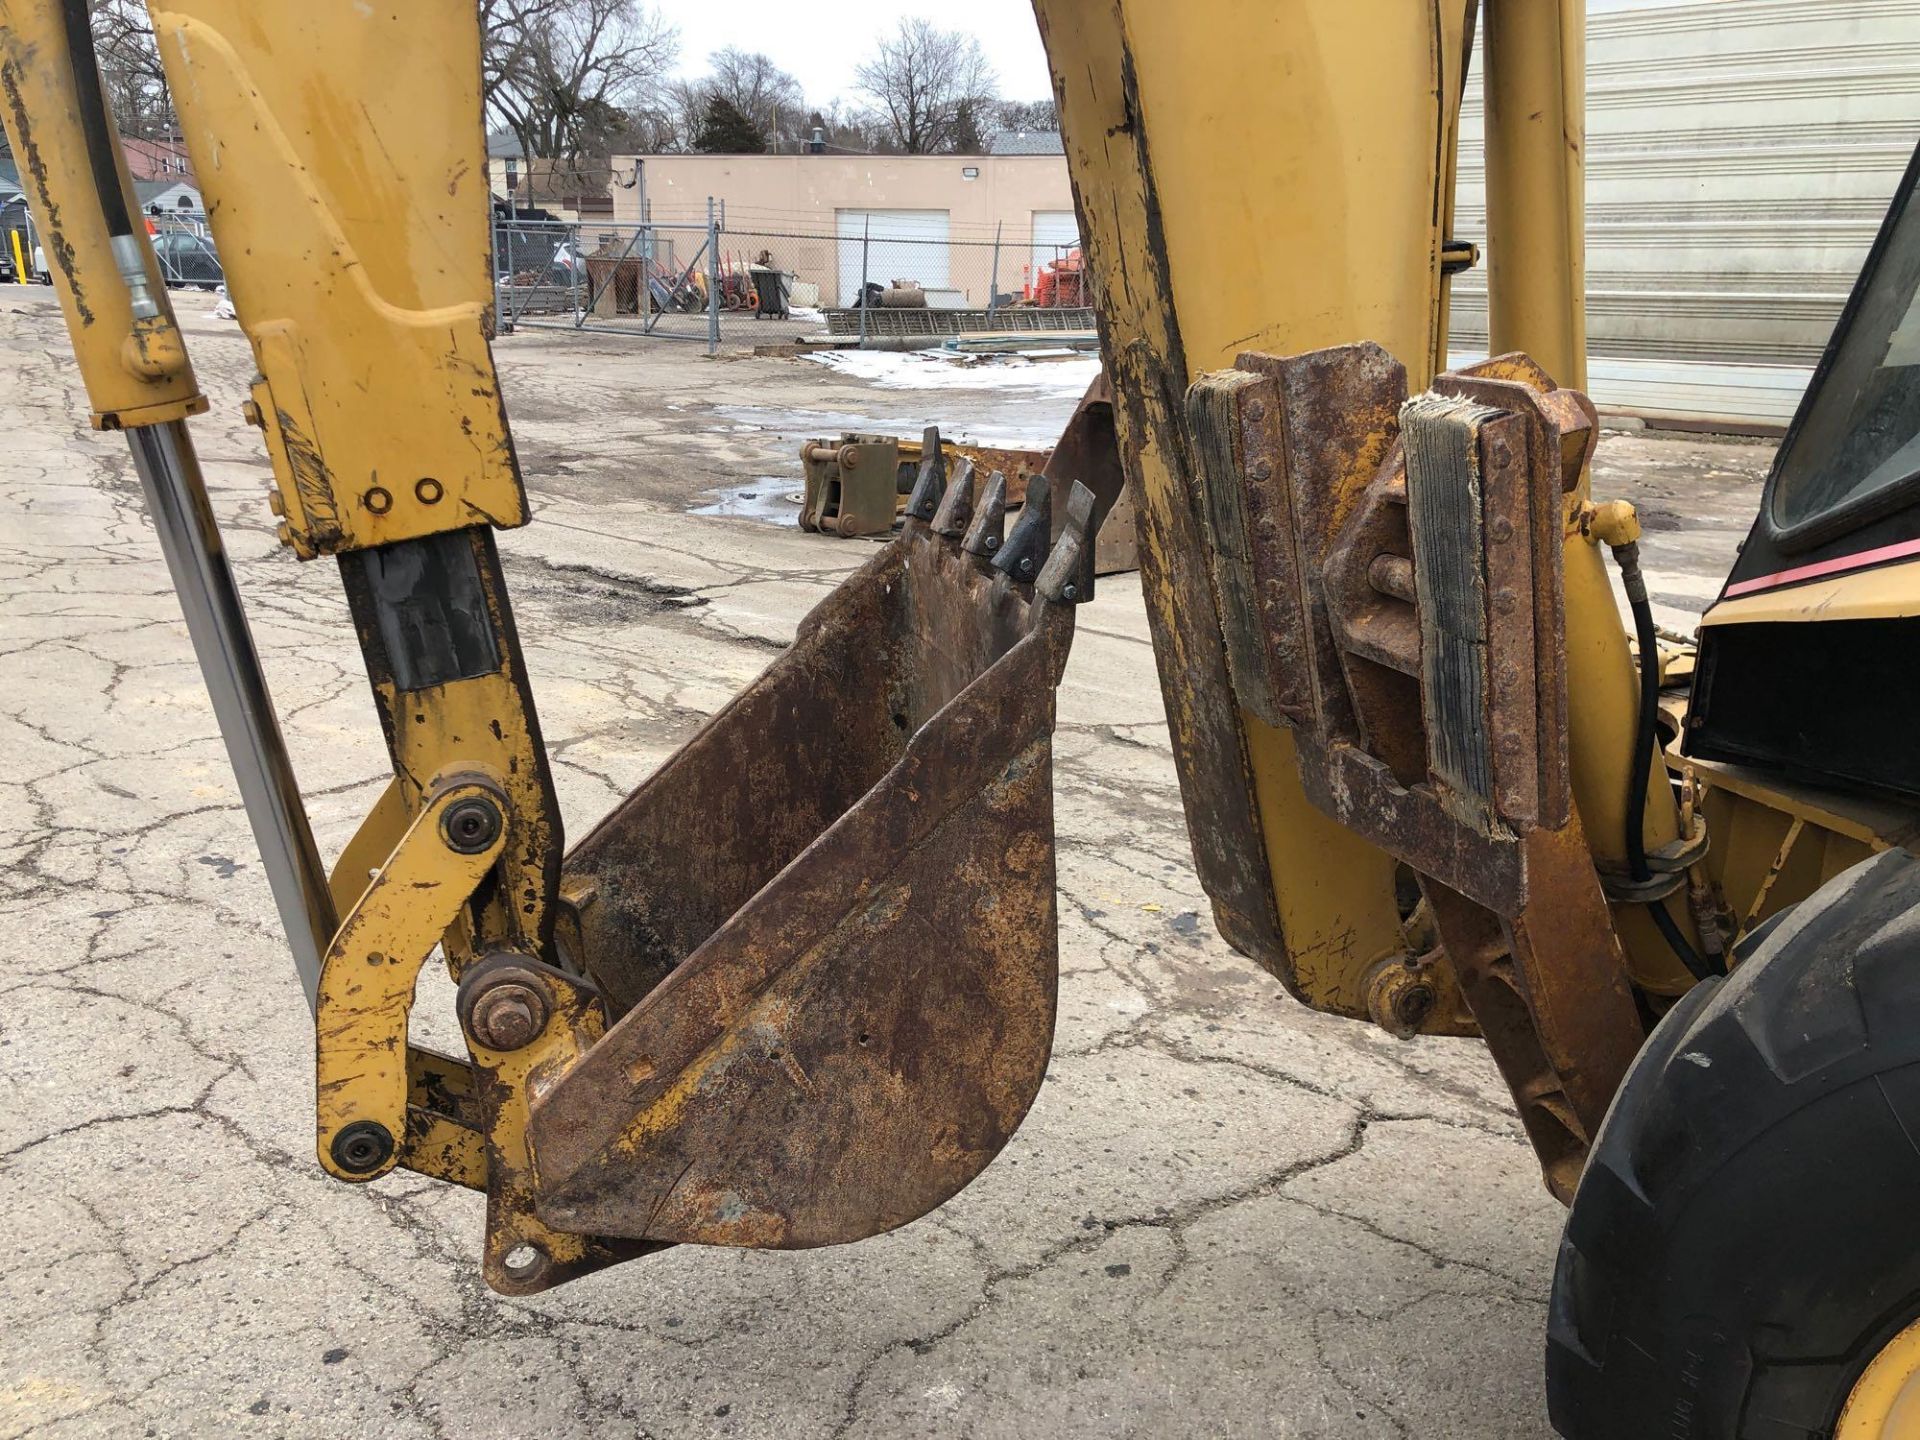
[1743,1239]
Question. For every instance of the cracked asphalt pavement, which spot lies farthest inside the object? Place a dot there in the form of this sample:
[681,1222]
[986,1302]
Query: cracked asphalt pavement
[1226,1215]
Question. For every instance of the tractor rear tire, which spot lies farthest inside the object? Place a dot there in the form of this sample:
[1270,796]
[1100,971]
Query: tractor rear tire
[1746,1237]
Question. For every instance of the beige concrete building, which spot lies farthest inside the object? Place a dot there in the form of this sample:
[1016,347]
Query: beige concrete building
[836,219]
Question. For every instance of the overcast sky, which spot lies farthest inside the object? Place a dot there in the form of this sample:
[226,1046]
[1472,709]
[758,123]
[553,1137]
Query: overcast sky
[821,44]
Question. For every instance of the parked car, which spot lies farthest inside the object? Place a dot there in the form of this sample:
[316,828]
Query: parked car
[536,258]
[188,258]
[16,222]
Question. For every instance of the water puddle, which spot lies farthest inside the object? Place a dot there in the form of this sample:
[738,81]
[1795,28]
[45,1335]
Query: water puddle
[771,498]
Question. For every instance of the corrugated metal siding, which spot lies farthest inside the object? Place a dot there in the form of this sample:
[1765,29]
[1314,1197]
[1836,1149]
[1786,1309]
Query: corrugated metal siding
[1740,154]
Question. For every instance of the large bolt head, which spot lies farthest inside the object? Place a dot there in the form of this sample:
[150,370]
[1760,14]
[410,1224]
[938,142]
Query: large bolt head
[362,1147]
[471,825]
[507,1016]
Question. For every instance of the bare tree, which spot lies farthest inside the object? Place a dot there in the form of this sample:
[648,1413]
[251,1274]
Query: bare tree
[683,109]
[130,75]
[567,77]
[508,36]
[929,84]
[850,130]
[1028,115]
[768,96]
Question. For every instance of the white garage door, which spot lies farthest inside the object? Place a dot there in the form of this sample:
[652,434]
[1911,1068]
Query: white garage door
[905,245]
[1055,232]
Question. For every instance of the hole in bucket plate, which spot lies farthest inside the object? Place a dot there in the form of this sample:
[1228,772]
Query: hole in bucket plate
[524,1261]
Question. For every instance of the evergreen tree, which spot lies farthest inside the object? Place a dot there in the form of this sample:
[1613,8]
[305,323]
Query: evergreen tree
[725,131]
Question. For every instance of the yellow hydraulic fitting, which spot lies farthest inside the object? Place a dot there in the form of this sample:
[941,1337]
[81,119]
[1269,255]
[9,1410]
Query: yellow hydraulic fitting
[1612,523]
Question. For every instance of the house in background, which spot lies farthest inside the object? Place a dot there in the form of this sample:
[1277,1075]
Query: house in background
[156,159]
[174,196]
[966,228]
[571,190]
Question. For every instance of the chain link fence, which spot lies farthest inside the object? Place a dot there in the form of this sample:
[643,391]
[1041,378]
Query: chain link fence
[183,244]
[893,280]
[739,285]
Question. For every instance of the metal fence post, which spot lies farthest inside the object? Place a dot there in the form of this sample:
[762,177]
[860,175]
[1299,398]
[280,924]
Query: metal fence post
[993,284]
[713,280]
[866,237]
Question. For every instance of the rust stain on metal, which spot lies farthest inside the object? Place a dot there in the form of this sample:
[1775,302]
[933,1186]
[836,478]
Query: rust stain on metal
[825,930]
[1526,938]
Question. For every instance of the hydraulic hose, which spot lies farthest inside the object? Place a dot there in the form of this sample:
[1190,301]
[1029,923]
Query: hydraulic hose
[103,159]
[1646,742]
[93,117]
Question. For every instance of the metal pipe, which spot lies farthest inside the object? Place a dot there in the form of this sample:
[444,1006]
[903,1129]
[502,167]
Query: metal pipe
[1534,57]
[993,282]
[230,666]
[713,281]
[866,239]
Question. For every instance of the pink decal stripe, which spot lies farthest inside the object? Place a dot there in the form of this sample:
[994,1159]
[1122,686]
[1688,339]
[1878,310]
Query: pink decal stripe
[1837,566]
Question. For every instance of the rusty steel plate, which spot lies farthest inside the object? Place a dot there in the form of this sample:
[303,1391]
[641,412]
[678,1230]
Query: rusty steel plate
[827,926]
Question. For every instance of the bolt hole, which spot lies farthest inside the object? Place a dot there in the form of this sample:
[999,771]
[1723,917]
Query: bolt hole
[865,1038]
[773,1054]
[524,1261]
[899,722]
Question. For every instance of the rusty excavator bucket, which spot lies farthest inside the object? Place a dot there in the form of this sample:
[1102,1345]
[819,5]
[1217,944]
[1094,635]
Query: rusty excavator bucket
[824,931]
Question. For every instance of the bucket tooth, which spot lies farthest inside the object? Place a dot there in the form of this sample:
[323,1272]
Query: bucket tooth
[1067,577]
[825,928]
[931,483]
[1026,548]
[956,506]
[988,532]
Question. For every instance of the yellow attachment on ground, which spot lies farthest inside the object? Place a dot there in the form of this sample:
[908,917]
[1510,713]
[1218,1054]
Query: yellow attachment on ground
[136,370]
[352,221]
[367,979]
[1885,1403]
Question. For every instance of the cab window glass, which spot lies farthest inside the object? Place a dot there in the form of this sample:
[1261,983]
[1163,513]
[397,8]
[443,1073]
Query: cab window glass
[1859,442]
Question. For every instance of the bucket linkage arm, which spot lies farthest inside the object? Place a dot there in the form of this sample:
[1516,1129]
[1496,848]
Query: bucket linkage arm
[800,987]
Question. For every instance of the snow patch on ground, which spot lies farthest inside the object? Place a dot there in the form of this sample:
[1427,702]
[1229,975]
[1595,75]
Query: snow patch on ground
[1058,372]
